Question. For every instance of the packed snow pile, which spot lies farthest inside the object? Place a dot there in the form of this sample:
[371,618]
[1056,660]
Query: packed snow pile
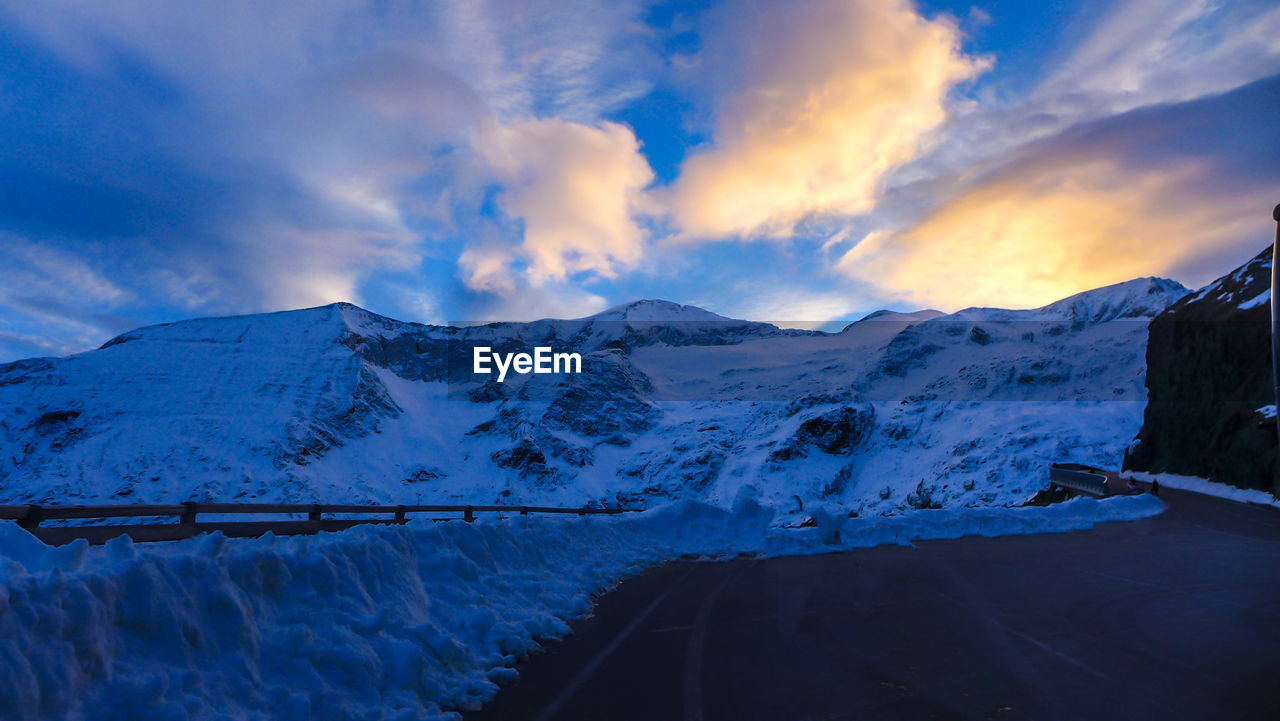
[1207,487]
[335,404]
[377,622]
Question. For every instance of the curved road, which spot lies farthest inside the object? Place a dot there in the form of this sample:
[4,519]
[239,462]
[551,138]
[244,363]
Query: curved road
[1173,617]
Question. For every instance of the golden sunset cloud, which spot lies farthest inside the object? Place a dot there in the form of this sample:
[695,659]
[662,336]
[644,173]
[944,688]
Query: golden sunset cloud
[838,93]
[1037,234]
[578,189]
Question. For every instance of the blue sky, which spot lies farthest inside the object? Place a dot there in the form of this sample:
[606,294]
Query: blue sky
[802,161]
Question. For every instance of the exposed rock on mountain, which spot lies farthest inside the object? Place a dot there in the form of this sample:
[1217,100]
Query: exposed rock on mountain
[339,404]
[1208,374]
[835,432]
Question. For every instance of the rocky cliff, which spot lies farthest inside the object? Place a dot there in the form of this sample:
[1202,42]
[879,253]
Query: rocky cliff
[1209,384]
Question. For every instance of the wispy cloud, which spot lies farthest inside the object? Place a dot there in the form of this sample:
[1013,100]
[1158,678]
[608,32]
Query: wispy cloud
[1143,52]
[1134,53]
[55,302]
[1099,204]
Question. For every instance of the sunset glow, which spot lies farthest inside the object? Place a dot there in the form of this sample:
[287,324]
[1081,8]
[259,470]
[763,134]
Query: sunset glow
[803,162]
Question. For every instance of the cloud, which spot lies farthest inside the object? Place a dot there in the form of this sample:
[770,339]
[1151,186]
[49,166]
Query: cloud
[241,156]
[25,345]
[578,189]
[54,302]
[835,94]
[486,268]
[789,307]
[308,267]
[1148,51]
[571,59]
[32,269]
[1115,57]
[1181,190]
[552,300]
[1044,231]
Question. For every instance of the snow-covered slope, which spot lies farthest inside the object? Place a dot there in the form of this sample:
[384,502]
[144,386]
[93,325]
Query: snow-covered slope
[336,403]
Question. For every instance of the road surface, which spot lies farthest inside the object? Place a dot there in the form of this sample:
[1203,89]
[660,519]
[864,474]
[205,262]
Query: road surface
[1173,617]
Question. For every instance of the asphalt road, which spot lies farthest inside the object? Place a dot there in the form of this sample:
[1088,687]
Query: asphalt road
[1174,617]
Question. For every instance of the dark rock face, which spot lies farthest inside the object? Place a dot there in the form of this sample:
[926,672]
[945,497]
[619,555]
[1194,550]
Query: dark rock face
[335,423]
[524,456]
[1208,370]
[835,432]
[487,393]
[606,402]
[57,430]
[906,351]
[815,399]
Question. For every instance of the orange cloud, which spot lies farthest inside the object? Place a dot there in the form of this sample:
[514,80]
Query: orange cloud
[579,190]
[838,94]
[1037,234]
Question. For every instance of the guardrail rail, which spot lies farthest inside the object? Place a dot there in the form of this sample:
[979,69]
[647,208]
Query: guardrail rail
[1092,482]
[188,524]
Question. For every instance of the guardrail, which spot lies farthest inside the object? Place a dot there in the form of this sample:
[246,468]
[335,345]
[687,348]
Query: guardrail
[1092,482]
[31,516]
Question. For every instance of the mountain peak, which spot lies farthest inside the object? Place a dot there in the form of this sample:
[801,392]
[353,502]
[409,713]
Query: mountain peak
[328,320]
[895,316]
[656,310]
[1244,288]
[1135,299]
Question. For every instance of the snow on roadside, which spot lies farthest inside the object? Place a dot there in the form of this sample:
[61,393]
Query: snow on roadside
[937,524]
[376,622]
[1204,486]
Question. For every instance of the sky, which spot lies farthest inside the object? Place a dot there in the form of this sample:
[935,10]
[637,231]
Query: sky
[794,161]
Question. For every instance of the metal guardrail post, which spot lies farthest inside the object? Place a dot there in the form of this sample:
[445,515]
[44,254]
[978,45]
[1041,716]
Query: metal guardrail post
[314,513]
[32,518]
[400,514]
[188,517]
[524,510]
[468,514]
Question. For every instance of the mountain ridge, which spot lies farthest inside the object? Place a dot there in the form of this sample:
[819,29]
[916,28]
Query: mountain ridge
[649,311]
[339,403]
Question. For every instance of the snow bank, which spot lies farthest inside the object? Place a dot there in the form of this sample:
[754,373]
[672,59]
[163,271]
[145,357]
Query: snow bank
[936,524]
[1196,484]
[375,622]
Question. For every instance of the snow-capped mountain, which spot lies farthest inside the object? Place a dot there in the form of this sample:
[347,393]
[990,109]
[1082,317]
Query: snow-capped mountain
[898,316]
[1209,381]
[1141,298]
[339,404]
